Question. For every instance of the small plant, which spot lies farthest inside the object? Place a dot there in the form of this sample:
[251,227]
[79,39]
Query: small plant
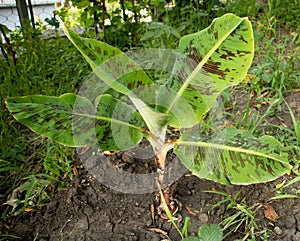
[296,124]
[243,216]
[131,106]
[276,71]
[205,233]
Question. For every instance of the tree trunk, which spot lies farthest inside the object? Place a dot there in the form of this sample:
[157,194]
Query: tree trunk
[103,17]
[123,10]
[134,11]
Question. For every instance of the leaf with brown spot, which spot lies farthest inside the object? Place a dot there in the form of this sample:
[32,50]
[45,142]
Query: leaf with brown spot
[210,61]
[73,120]
[114,67]
[240,158]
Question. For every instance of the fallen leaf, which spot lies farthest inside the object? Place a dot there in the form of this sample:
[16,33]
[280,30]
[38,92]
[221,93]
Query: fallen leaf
[157,230]
[152,212]
[166,197]
[279,185]
[28,209]
[190,211]
[270,213]
[284,125]
[263,94]
[109,153]
[75,172]
[230,124]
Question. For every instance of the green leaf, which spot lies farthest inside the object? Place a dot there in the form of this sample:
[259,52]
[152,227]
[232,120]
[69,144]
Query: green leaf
[214,59]
[7,166]
[233,157]
[118,125]
[282,196]
[121,73]
[191,239]
[73,120]
[186,225]
[210,233]
[113,67]
[168,212]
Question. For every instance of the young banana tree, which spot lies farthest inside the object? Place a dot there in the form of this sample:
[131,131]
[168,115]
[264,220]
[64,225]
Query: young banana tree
[207,63]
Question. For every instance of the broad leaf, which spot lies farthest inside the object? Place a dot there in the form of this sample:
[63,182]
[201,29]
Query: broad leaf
[191,239]
[110,64]
[211,232]
[121,73]
[73,120]
[233,157]
[214,59]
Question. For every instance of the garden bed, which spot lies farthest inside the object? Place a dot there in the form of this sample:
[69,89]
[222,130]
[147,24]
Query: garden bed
[88,210]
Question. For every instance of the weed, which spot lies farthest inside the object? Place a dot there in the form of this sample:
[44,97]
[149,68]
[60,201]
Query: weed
[7,236]
[276,70]
[205,233]
[242,217]
[42,66]
[283,12]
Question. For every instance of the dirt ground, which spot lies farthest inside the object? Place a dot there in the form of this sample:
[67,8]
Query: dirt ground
[88,210]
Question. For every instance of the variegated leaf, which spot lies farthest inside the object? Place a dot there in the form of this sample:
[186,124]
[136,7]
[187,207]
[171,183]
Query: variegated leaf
[73,120]
[233,157]
[122,74]
[214,59]
[114,67]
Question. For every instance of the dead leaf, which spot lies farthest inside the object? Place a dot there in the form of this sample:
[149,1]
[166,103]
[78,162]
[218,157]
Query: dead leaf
[190,211]
[270,213]
[157,230]
[75,172]
[279,185]
[230,124]
[109,153]
[263,94]
[284,125]
[28,209]
[84,149]
[167,199]
[152,209]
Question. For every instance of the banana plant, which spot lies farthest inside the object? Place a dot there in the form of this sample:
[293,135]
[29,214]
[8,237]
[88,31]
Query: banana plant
[132,107]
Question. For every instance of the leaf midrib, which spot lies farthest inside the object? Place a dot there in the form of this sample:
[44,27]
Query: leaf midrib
[107,119]
[227,148]
[199,67]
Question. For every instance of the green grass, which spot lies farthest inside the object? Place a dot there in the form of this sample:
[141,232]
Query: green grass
[33,168]
[276,66]
[242,216]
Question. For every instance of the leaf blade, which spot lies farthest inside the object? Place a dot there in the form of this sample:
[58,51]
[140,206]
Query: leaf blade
[242,159]
[216,58]
[72,120]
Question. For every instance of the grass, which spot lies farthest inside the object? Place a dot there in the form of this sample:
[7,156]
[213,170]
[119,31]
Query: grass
[276,70]
[29,164]
[242,216]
